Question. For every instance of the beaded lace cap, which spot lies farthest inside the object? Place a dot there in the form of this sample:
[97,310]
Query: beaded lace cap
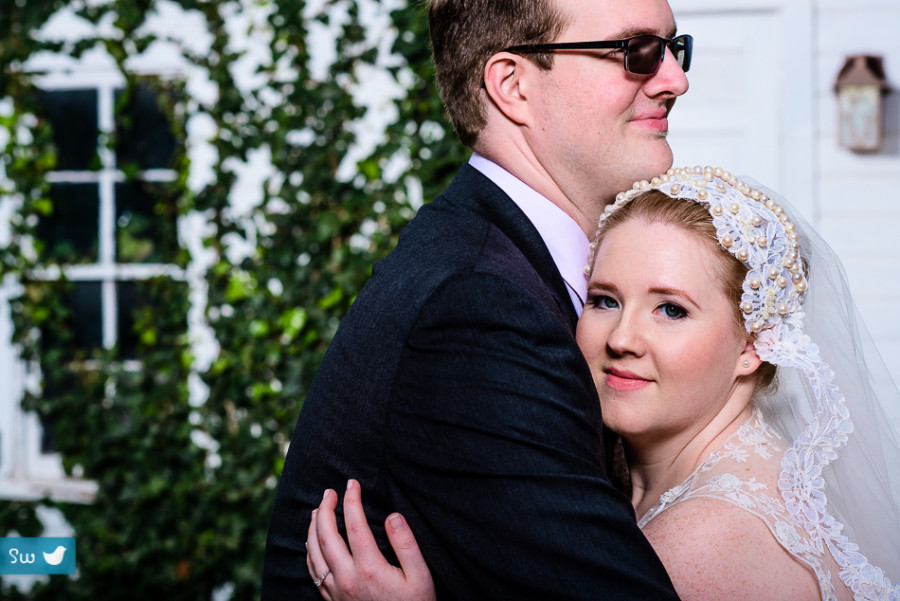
[753,228]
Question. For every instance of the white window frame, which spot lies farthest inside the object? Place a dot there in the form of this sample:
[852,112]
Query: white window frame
[26,472]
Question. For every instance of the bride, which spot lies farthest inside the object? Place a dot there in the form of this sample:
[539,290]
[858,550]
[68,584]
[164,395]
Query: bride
[712,326]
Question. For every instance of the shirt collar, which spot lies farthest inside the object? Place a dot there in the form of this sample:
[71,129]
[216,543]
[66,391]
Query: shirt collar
[568,244]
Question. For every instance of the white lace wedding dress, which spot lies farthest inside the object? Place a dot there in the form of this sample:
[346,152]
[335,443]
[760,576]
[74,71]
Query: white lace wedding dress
[757,449]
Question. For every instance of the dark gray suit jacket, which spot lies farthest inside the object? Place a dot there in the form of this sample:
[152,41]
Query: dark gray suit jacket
[455,393]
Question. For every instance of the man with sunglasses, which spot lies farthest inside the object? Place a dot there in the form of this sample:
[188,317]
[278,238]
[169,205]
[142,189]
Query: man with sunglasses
[454,382]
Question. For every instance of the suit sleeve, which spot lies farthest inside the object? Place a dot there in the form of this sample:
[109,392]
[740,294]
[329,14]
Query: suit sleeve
[494,453]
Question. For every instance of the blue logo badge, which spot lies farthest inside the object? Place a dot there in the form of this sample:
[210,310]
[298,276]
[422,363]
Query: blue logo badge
[37,555]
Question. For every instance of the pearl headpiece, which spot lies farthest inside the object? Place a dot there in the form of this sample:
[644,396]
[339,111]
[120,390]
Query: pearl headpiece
[752,227]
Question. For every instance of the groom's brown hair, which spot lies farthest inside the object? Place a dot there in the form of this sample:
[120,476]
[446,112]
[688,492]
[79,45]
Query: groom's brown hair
[466,33]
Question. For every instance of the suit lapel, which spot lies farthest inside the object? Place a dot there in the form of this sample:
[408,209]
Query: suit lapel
[471,187]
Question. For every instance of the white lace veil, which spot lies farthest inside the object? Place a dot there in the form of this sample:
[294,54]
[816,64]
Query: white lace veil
[862,481]
[840,476]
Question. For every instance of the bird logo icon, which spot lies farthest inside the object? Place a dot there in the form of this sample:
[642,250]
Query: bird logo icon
[55,558]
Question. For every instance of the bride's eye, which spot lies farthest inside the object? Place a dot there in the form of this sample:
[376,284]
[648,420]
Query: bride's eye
[672,311]
[601,301]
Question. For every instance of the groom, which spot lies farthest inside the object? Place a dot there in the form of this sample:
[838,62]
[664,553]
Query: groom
[454,390]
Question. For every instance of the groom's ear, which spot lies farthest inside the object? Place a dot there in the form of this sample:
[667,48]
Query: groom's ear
[508,81]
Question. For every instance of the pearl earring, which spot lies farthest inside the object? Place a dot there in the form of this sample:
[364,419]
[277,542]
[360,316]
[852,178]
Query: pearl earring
[746,364]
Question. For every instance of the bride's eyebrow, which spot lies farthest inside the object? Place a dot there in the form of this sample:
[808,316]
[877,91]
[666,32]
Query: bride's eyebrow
[666,291]
[604,286]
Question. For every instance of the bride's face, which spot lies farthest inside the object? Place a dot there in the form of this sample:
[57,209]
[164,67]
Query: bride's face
[659,333]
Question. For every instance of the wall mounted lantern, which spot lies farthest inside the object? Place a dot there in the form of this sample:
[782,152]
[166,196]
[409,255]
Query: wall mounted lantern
[860,88]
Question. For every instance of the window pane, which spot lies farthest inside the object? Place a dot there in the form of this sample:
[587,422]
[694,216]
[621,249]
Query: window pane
[70,234]
[157,306]
[73,116]
[81,329]
[143,132]
[48,436]
[131,300]
[55,385]
[145,223]
[87,315]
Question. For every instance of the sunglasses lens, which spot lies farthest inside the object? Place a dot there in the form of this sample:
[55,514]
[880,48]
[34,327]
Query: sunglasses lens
[682,47]
[644,54]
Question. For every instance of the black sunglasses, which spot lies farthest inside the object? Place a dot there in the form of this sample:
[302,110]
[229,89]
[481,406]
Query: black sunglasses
[643,54]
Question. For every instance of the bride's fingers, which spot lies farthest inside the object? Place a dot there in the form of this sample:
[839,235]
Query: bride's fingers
[408,553]
[359,535]
[313,554]
[328,541]
[315,561]
[317,567]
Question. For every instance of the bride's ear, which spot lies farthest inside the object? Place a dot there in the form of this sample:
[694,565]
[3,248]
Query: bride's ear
[748,361]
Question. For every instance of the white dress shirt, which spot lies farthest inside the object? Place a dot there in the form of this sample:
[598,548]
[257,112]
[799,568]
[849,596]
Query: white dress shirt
[568,244]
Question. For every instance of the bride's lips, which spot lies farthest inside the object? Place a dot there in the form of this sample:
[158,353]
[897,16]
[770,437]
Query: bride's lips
[624,380]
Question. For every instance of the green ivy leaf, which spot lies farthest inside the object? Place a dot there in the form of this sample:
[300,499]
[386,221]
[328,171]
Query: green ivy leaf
[331,299]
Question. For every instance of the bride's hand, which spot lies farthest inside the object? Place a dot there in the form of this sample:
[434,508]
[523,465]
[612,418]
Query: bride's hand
[361,573]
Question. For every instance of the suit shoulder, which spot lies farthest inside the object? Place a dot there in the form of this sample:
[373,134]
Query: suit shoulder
[442,241]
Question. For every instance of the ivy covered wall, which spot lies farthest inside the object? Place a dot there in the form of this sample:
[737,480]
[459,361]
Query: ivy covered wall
[279,219]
